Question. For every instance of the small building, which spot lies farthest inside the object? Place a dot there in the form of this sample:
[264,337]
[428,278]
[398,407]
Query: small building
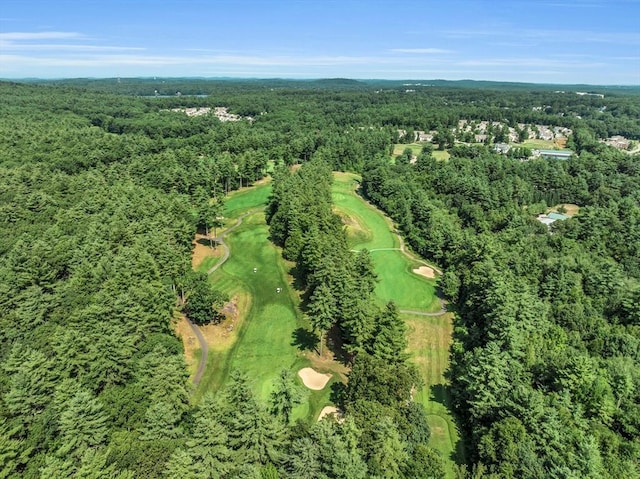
[501,148]
[551,218]
[553,154]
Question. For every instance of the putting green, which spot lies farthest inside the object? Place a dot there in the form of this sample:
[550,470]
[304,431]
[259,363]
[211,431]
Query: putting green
[368,228]
[399,284]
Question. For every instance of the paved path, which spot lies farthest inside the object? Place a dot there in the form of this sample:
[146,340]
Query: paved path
[204,347]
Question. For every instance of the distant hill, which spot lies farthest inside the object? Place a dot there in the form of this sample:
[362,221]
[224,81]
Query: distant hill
[203,86]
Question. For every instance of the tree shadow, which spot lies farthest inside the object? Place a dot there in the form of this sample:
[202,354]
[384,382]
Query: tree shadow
[205,241]
[441,394]
[298,283]
[305,340]
[338,390]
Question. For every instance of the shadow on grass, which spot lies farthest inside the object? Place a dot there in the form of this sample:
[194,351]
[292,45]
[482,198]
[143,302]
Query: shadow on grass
[305,340]
[442,395]
[206,242]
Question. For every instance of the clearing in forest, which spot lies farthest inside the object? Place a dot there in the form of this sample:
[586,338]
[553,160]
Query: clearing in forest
[375,232]
[259,337]
[429,336]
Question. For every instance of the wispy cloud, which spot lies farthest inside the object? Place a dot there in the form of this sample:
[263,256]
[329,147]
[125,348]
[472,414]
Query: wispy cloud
[13,36]
[530,62]
[6,46]
[546,36]
[426,51]
[157,60]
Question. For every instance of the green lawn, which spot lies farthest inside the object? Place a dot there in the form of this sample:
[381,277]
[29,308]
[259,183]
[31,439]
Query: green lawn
[442,155]
[265,340]
[416,148]
[429,337]
[368,228]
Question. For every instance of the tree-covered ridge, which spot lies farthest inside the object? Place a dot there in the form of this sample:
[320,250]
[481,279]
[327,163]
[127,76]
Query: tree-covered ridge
[547,342]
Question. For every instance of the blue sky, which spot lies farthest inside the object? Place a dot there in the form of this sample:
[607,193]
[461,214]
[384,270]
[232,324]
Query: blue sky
[544,41]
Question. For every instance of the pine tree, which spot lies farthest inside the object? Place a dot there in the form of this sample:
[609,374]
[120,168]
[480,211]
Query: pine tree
[83,424]
[285,396]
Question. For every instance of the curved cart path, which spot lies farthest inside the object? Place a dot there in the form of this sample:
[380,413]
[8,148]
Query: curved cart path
[204,347]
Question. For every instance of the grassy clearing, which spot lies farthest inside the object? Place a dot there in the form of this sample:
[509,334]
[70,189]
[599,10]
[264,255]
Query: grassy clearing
[569,209]
[416,148]
[429,337]
[429,340]
[374,232]
[441,155]
[536,144]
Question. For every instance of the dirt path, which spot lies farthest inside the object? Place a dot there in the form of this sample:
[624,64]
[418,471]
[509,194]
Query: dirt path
[204,347]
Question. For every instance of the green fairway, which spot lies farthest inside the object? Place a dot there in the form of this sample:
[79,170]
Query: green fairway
[264,345]
[264,341]
[429,341]
[429,337]
[399,284]
[240,201]
[368,228]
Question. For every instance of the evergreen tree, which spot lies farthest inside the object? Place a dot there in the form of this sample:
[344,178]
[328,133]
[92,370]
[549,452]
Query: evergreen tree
[285,396]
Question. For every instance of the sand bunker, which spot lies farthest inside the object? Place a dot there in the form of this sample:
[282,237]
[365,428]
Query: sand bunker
[327,410]
[425,271]
[313,379]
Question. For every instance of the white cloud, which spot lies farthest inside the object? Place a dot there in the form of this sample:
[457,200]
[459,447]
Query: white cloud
[5,46]
[12,36]
[420,50]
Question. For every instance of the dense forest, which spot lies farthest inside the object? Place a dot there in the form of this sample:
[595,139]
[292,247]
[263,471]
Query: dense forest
[104,184]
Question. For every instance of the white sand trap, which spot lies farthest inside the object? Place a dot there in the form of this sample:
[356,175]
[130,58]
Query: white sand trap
[327,410]
[313,379]
[425,271]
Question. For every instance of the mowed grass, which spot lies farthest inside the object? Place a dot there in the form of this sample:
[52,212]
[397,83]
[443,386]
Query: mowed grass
[416,148]
[262,343]
[441,155]
[429,340]
[243,200]
[374,232]
[399,284]
[429,337]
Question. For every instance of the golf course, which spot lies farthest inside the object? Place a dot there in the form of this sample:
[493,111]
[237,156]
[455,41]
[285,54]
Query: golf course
[259,335]
[429,335]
